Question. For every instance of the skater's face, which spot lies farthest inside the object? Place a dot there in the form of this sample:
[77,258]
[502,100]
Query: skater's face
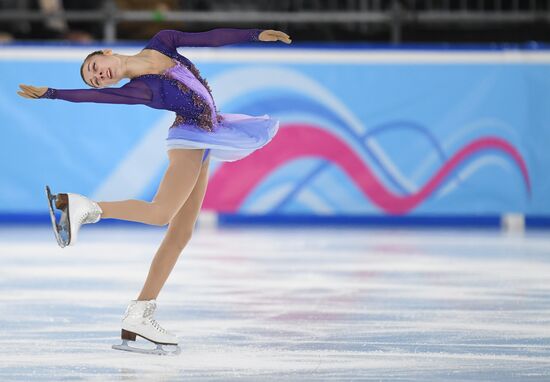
[100,70]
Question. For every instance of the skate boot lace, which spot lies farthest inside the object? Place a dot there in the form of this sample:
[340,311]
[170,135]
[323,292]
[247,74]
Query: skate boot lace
[82,218]
[148,314]
[88,217]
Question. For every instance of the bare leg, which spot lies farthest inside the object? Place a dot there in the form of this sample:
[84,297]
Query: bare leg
[176,186]
[178,234]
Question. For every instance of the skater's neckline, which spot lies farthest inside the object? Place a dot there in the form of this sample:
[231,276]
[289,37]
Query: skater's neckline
[164,73]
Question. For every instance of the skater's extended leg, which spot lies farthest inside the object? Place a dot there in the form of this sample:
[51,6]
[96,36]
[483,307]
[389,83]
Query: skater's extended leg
[178,234]
[176,186]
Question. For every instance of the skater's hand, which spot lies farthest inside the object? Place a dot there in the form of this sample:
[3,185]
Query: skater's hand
[31,91]
[272,35]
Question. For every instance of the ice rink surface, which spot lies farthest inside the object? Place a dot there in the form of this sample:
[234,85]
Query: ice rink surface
[296,303]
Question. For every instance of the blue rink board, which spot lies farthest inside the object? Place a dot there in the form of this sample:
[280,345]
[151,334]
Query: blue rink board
[416,116]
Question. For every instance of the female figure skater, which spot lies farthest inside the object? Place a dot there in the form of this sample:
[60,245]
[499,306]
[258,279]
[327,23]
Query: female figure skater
[161,78]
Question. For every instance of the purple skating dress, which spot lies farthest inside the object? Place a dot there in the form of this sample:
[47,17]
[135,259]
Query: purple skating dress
[181,89]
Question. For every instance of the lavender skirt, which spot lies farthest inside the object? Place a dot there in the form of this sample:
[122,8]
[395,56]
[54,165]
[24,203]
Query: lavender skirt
[233,138]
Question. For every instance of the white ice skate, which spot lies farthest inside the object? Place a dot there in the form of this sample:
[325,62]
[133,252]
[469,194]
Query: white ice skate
[75,211]
[138,321]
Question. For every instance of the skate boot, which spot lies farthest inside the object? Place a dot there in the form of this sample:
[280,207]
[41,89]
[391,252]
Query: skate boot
[138,321]
[75,211]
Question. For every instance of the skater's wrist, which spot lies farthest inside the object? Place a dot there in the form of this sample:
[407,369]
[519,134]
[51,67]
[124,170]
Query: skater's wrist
[255,34]
[50,93]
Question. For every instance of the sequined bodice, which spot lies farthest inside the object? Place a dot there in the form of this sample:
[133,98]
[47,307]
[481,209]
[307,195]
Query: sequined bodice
[187,93]
[206,114]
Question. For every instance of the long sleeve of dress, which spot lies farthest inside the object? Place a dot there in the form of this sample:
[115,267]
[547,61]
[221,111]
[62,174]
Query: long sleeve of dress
[134,92]
[215,37]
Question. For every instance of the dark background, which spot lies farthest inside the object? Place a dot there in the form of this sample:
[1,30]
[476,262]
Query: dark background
[406,21]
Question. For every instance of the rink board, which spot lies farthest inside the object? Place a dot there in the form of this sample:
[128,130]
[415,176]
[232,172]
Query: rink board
[379,135]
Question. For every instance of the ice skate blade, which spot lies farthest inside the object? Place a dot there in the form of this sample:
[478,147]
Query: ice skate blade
[57,228]
[159,350]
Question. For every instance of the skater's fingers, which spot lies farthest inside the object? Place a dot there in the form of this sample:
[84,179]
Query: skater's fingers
[28,93]
[31,94]
[26,89]
[283,34]
[273,35]
[32,91]
[284,39]
[24,95]
[279,32]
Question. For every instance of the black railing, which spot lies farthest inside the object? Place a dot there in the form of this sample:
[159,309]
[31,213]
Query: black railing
[393,15]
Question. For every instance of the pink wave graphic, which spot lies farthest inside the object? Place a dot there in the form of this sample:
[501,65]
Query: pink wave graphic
[233,181]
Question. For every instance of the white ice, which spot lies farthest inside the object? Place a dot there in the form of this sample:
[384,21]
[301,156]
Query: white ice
[253,303]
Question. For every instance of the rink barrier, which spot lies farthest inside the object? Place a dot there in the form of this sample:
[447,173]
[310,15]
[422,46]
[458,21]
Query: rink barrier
[508,222]
[208,219]
[531,54]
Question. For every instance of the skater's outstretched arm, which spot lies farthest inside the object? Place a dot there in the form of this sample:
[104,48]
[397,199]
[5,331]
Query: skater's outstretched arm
[134,92]
[216,37]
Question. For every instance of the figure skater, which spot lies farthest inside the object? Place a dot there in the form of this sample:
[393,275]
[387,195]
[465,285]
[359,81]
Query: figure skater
[161,78]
